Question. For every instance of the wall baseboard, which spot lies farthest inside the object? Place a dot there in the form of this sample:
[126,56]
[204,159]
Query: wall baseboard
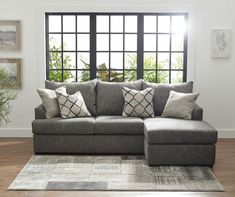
[226,133]
[16,132]
[27,132]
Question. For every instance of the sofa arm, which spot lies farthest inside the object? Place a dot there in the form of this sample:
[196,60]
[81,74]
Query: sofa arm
[197,113]
[40,112]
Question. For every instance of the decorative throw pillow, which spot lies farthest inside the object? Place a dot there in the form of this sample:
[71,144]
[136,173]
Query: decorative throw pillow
[50,102]
[138,103]
[72,106]
[180,105]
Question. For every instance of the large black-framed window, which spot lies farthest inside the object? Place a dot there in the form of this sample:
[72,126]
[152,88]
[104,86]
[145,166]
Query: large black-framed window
[116,46]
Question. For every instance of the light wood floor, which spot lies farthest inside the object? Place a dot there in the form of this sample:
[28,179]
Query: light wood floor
[15,152]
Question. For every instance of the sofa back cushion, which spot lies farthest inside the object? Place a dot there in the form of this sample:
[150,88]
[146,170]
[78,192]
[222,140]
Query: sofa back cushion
[161,93]
[87,89]
[110,99]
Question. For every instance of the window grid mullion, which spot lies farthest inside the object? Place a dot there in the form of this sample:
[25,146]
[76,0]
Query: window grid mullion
[109,46]
[62,47]
[47,47]
[76,47]
[92,46]
[140,51]
[170,49]
[156,49]
[123,47]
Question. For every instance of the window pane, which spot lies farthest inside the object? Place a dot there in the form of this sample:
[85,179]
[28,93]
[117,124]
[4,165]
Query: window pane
[163,42]
[102,42]
[116,76]
[69,42]
[102,75]
[83,75]
[130,23]
[69,60]
[69,76]
[150,76]
[116,23]
[54,23]
[149,61]
[163,77]
[83,60]
[83,42]
[176,76]
[69,24]
[178,24]
[150,42]
[55,42]
[55,75]
[131,42]
[130,75]
[116,42]
[150,24]
[177,60]
[130,60]
[177,42]
[117,60]
[102,23]
[83,23]
[163,60]
[55,61]
[164,24]
[102,60]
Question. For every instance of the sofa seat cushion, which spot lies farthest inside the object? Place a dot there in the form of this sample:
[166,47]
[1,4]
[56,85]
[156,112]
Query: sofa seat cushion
[116,125]
[177,131]
[60,126]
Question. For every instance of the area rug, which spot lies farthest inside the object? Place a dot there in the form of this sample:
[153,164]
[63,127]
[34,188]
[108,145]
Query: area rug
[111,173]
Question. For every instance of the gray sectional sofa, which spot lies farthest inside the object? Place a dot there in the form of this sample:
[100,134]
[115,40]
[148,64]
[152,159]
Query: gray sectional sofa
[164,141]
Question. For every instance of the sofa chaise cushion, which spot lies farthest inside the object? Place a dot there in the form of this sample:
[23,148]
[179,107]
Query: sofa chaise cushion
[116,125]
[88,90]
[110,99]
[177,131]
[161,93]
[60,126]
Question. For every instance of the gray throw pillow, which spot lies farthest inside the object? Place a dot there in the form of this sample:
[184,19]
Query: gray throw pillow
[72,106]
[110,98]
[138,103]
[161,93]
[180,105]
[50,102]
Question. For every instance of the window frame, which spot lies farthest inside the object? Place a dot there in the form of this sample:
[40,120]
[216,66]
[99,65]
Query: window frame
[140,43]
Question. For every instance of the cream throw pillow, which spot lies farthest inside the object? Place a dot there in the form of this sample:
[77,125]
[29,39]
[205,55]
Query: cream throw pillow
[50,101]
[180,105]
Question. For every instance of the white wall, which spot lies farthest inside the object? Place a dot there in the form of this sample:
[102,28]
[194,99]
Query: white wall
[213,78]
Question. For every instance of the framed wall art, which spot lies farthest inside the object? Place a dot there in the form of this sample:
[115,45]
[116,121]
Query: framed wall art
[10,35]
[221,43]
[13,68]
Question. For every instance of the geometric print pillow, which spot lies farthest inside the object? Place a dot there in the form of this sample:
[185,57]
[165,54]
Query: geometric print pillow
[138,103]
[71,106]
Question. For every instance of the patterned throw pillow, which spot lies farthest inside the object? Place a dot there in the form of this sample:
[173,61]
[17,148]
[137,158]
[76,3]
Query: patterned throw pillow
[72,106]
[138,103]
